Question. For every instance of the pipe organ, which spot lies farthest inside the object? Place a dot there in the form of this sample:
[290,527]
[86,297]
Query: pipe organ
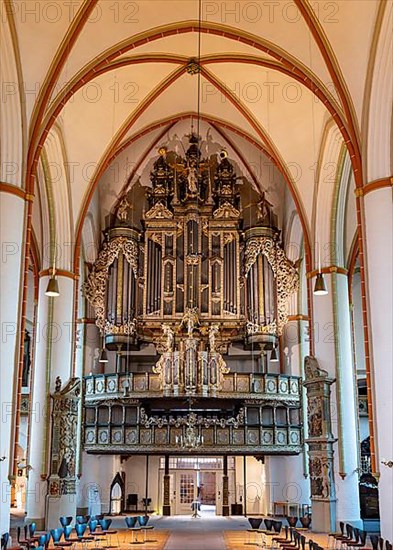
[193,277]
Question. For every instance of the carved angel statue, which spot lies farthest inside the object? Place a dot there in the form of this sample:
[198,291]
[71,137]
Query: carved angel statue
[192,178]
[190,320]
[222,366]
[169,337]
[213,331]
[312,368]
[122,210]
[58,384]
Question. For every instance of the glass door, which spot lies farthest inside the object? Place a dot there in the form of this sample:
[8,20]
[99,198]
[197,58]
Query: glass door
[186,492]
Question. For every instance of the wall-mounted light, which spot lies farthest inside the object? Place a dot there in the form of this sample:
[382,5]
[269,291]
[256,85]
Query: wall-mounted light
[388,463]
[274,356]
[103,358]
[52,290]
[320,285]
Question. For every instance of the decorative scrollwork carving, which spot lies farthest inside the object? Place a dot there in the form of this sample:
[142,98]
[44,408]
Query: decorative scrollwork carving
[285,273]
[64,437]
[94,289]
[192,419]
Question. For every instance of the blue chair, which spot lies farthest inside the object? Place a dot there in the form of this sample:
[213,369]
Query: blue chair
[57,534]
[305,521]
[67,532]
[56,537]
[131,521]
[105,524]
[82,519]
[142,520]
[277,526]
[268,524]
[93,524]
[31,529]
[80,529]
[4,540]
[98,535]
[44,540]
[255,523]
[65,520]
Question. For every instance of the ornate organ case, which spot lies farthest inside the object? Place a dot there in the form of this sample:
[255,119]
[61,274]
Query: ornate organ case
[192,278]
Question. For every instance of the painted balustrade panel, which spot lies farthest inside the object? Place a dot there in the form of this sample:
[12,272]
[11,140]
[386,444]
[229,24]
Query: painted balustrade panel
[262,385]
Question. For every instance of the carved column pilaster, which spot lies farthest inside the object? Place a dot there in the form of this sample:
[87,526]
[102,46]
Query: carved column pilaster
[320,446]
[62,479]
[225,488]
[166,509]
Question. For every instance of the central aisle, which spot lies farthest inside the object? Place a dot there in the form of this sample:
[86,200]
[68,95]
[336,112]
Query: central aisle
[205,533]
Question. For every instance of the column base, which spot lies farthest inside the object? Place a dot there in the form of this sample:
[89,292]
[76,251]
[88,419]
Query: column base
[65,505]
[166,510]
[323,516]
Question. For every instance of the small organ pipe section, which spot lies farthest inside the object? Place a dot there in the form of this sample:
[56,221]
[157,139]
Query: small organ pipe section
[271,278]
[260,283]
[111,286]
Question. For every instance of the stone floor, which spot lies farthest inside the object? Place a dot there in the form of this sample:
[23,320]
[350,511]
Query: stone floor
[209,532]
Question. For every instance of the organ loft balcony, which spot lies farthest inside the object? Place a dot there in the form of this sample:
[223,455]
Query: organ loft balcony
[251,414]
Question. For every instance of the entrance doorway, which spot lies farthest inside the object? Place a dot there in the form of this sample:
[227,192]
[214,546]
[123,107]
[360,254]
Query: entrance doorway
[186,491]
[207,488]
[197,479]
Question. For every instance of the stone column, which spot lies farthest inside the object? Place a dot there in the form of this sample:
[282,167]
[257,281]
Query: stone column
[12,215]
[166,508]
[53,358]
[333,350]
[320,447]
[36,484]
[379,245]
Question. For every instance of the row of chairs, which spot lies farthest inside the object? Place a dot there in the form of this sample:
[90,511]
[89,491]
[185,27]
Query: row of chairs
[62,536]
[305,521]
[378,543]
[353,537]
[292,539]
[270,523]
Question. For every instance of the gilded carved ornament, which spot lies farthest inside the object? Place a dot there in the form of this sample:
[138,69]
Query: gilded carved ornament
[94,289]
[191,418]
[285,273]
